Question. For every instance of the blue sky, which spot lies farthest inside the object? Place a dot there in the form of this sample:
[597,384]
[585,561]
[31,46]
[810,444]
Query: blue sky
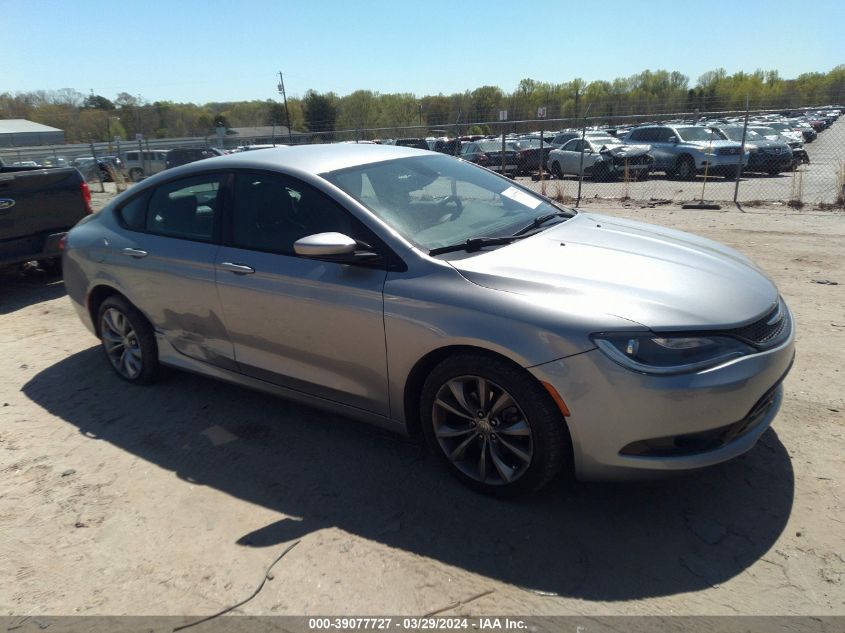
[210,50]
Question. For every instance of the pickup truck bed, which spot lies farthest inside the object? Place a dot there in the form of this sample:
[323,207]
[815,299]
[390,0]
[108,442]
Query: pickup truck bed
[37,207]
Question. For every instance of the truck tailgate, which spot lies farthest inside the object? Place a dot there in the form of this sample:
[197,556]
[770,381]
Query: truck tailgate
[39,201]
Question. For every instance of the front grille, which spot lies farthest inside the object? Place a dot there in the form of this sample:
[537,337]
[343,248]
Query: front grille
[768,331]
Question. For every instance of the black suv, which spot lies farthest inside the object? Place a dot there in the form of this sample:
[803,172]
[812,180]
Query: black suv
[183,156]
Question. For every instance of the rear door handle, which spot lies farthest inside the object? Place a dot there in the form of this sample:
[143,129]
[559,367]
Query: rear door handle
[238,269]
[134,252]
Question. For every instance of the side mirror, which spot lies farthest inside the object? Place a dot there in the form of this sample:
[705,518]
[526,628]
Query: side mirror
[672,139]
[333,245]
[325,245]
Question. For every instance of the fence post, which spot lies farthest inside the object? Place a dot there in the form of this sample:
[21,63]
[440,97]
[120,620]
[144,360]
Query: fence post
[581,163]
[542,158]
[97,169]
[742,153]
[503,151]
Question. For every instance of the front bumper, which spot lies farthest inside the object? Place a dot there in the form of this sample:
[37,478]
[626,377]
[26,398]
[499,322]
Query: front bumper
[628,425]
[718,163]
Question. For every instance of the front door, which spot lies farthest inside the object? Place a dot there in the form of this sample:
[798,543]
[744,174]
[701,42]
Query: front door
[311,325]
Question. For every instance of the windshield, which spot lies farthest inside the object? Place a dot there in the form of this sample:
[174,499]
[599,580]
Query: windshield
[496,146]
[435,201]
[697,133]
[735,134]
[766,131]
[599,141]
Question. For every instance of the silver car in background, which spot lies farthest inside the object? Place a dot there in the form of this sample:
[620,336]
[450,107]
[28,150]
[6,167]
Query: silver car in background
[602,157]
[686,151]
[430,296]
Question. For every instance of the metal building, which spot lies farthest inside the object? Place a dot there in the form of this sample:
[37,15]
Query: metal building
[23,133]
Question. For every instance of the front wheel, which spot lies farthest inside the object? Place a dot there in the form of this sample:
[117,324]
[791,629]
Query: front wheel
[493,426]
[128,341]
[556,170]
[686,168]
[601,172]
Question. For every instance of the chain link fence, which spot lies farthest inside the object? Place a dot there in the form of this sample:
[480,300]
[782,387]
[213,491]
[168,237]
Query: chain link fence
[750,158]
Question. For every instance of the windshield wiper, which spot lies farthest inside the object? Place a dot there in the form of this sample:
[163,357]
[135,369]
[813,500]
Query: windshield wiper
[540,220]
[475,243]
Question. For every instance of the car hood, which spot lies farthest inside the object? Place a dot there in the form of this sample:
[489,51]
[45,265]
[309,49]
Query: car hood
[766,144]
[714,143]
[657,277]
[620,150]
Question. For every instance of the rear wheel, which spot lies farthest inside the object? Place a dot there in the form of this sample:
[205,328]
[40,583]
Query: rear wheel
[128,341]
[493,426]
[686,168]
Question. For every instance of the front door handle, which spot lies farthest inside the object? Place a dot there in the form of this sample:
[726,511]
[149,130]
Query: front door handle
[134,252]
[238,269]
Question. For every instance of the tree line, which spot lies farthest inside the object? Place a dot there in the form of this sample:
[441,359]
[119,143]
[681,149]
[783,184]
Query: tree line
[97,118]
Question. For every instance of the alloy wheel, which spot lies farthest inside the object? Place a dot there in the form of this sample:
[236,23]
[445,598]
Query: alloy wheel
[121,343]
[482,430]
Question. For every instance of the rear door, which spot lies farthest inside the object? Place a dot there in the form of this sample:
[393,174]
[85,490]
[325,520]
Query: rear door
[311,325]
[164,263]
[663,151]
[570,156]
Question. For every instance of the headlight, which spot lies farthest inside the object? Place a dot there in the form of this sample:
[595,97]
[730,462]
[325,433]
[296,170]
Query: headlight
[664,355]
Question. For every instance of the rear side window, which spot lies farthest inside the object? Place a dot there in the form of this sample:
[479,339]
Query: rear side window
[185,208]
[134,213]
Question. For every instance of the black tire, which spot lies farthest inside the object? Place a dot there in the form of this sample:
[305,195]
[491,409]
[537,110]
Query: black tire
[556,171]
[139,342]
[686,168]
[136,175]
[601,172]
[547,441]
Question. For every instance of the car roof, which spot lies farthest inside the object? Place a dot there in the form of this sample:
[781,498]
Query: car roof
[314,159]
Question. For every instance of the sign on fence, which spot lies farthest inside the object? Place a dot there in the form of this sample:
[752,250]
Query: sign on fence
[503,115]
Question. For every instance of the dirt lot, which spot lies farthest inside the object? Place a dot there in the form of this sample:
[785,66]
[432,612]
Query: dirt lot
[173,499]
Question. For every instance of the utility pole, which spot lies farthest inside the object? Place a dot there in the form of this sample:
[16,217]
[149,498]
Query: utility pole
[284,96]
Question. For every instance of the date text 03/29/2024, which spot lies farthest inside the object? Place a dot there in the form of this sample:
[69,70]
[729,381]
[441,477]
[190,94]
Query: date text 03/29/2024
[416,624]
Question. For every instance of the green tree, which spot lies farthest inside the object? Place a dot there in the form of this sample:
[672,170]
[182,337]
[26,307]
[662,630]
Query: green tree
[320,111]
[97,102]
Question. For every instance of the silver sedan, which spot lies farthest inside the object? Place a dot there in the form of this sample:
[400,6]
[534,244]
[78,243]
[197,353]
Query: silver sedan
[417,291]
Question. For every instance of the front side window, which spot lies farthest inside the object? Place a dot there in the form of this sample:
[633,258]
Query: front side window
[436,200]
[185,208]
[272,211]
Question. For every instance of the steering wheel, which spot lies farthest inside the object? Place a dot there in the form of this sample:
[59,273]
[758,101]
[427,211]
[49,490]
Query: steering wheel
[456,201]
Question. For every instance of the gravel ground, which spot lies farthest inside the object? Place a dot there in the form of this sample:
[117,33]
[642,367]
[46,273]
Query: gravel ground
[173,499]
